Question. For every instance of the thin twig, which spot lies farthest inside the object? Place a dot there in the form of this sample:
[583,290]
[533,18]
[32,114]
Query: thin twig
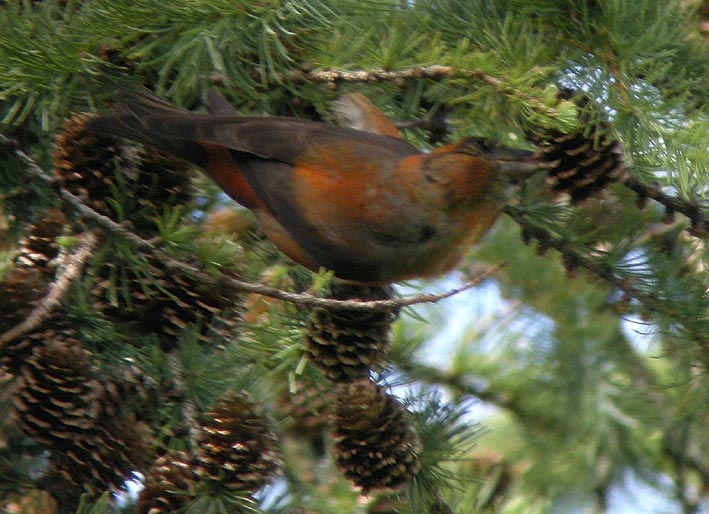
[331,76]
[72,267]
[181,267]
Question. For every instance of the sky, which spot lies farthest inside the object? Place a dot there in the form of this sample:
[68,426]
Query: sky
[634,494]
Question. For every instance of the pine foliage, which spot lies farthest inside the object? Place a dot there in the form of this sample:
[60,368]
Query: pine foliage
[135,338]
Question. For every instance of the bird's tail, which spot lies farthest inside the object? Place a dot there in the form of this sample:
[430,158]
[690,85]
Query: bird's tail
[147,119]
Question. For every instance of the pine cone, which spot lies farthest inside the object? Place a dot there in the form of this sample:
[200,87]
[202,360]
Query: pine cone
[27,283]
[106,457]
[57,400]
[98,168]
[38,248]
[581,164]
[237,447]
[169,484]
[376,446]
[194,301]
[344,343]
[162,179]
[85,163]
[308,408]
[165,303]
[20,293]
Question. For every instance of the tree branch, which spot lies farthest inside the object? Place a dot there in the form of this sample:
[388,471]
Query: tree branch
[699,220]
[72,267]
[572,259]
[334,78]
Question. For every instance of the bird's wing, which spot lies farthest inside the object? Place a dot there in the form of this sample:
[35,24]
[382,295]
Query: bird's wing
[356,111]
[218,105]
[328,186]
[152,121]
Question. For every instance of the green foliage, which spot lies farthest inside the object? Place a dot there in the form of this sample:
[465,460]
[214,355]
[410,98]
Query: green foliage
[552,379]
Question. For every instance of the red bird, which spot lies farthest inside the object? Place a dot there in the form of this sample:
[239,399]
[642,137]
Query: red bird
[370,207]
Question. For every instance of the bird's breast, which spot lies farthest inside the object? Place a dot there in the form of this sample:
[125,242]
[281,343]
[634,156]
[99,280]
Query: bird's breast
[379,221]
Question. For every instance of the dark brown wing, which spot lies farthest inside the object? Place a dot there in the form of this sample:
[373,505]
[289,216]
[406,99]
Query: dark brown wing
[318,181]
[152,121]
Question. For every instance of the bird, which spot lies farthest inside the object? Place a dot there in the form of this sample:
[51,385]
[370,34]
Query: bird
[364,204]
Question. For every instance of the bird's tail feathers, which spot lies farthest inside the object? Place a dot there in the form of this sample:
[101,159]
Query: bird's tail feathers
[146,119]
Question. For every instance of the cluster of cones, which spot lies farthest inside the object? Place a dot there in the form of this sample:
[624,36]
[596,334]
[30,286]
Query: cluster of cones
[236,451]
[59,397]
[90,419]
[375,443]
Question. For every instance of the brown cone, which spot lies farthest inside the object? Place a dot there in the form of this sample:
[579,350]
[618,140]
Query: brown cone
[164,302]
[99,169]
[346,344]
[85,163]
[162,179]
[237,447]
[59,401]
[27,283]
[28,279]
[581,164]
[376,446]
[307,408]
[20,293]
[169,484]
[106,457]
[39,247]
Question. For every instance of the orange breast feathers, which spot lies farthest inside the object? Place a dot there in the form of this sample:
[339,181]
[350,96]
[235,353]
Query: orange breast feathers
[346,196]
[411,217]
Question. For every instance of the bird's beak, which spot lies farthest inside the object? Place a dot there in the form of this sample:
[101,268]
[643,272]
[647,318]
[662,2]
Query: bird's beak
[519,170]
[517,164]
